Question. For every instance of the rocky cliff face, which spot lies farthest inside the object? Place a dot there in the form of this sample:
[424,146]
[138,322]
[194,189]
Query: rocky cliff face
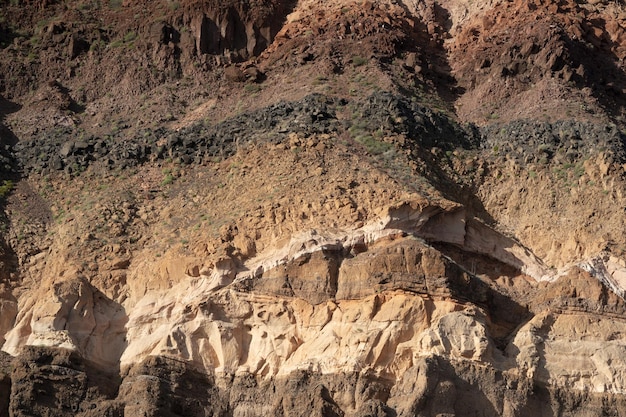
[310,208]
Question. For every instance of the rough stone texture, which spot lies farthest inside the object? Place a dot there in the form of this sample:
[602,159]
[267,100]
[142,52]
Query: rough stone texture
[393,315]
[5,383]
[76,316]
[312,208]
[196,143]
[58,382]
[559,142]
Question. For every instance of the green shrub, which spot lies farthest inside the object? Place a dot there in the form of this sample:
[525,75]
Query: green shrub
[252,88]
[169,178]
[6,188]
[97,45]
[130,36]
[359,60]
[373,145]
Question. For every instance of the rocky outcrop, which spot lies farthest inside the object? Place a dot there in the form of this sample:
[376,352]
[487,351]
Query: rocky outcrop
[314,114]
[378,306]
[197,143]
[462,374]
[556,143]
[60,382]
[565,43]
[77,317]
[5,383]
[228,208]
[237,30]
[420,302]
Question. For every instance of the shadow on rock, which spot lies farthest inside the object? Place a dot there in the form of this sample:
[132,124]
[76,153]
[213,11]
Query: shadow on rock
[597,68]
[7,137]
[59,382]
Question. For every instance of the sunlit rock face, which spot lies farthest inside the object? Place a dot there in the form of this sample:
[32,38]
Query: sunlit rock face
[267,208]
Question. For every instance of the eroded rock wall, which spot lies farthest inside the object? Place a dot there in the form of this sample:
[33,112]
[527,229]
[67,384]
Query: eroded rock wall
[316,230]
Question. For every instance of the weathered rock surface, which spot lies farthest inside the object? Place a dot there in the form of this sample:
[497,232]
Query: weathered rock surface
[376,208]
[376,322]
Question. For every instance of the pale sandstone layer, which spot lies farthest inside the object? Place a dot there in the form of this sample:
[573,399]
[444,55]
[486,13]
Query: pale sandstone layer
[374,302]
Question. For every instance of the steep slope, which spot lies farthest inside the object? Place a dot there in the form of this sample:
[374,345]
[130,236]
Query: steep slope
[285,208]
